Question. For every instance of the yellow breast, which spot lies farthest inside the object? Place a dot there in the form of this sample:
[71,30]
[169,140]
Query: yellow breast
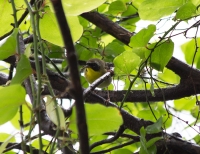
[92,75]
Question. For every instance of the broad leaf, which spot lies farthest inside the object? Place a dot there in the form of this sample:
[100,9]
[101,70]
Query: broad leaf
[126,62]
[4,136]
[189,49]
[26,109]
[50,31]
[143,148]
[11,98]
[117,7]
[8,45]
[77,7]
[185,104]
[100,119]
[156,9]
[147,114]
[160,55]
[23,70]
[142,37]
[169,76]
[186,11]
[51,108]
[45,144]
[6,16]
[154,128]
[114,49]
[5,143]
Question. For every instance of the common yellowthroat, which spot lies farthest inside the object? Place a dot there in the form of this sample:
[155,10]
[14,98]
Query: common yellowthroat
[94,69]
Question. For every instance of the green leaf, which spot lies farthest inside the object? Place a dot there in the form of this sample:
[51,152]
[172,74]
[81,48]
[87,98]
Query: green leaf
[126,62]
[161,55]
[153,141]
[51,108]
[152,89]
[195,111]
[6,16]
[154,128]
[4,144]
[186,11]
[4,136]
[142,37]
[169,76]
[11,97]
[140,51]
[77,7]
[189,49]
[100,119]
[167,119]
[197,138]
[49,22]
[23,70]
[152,149]
[185,104]
[117,7]
[143,148]
[147,114]
[46,145]
[195,2]
[114,49]
[156,9]
[8,45]
[5,11]
[26,108]
[122,151]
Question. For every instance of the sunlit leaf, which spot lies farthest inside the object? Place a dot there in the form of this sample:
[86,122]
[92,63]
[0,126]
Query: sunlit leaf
[4,136]
[5,143]
[160,55]
[143,148]
[50,31]
[142,37]
[11,98]
[189,49]
[126,62]
[197,138]
[124,151]
[155,9]
[169,76]
[114,49]
[185,103]
[51,108]
[186,11]
[46,145]
[148,115]
[100,119]
[77,7]
[8,45]
[6,16]
[23,70]
[26,109]
[117,7]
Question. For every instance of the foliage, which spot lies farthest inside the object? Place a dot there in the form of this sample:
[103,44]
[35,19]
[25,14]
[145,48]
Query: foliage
[150,91]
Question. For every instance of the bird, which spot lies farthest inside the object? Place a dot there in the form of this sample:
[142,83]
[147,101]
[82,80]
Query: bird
[94,69]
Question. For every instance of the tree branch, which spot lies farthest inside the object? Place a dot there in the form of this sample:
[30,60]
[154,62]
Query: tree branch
[76,88]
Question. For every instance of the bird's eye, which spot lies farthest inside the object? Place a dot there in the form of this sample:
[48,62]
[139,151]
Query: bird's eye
[94,66]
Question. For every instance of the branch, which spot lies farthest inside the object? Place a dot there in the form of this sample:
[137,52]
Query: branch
[169,144]
[75,76]
[28,148]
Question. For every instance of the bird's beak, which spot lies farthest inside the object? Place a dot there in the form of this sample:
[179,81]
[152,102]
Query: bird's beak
[83,68]
[86,66]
